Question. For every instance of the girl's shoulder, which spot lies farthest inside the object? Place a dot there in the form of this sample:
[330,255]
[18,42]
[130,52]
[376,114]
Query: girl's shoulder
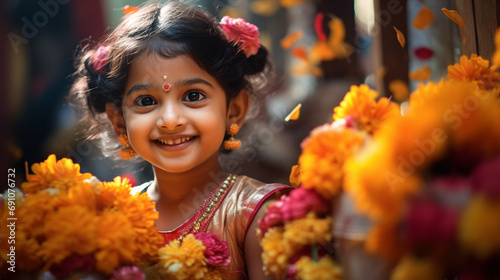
[250,188]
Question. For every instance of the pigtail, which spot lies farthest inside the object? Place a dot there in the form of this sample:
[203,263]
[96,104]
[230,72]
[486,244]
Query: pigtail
[257,63]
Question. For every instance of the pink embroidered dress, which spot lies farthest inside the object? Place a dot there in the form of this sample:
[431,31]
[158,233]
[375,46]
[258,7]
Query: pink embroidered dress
[231,217]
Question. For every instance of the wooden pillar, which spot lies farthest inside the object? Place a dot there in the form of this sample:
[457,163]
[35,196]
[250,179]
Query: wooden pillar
[387,52]
[481,18]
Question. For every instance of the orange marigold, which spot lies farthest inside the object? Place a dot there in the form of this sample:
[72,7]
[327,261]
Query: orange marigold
[323,156]
[477,70]
[360,104]
[116,241]
[62,175]
[70,230]
[411,267]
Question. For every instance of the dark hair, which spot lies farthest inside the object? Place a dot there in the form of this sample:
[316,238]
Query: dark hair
[168,30]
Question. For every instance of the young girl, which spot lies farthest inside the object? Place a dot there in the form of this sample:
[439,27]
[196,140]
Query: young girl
[174,85]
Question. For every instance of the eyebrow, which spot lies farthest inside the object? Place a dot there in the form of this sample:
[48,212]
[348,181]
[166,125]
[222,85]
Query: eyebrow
[185,82]
[139,87]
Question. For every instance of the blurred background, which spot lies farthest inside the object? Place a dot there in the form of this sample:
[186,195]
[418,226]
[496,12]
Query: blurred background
[41,38]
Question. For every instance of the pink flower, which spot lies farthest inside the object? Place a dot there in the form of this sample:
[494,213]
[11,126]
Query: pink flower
[216,252]
[486,177]
[430,223]
[128,273]
[245,34]
[302,201]
[100,58]
[273,216]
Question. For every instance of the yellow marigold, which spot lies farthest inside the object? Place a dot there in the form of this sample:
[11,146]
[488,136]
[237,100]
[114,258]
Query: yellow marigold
[323,156]
[186,261]
[360,104]
[71,229]
[324,269]
[462,114]
[62,175]
[476,70]
[213,274]
[139,209]
[307,231]
[412,268]
[378,183]
[479,226]
[275,253]
[116,241]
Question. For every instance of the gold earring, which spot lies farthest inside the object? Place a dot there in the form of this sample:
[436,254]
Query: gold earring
[231,143]
[126,151]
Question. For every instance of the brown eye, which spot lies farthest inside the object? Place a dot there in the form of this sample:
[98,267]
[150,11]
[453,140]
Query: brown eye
[145,101]
[193,96]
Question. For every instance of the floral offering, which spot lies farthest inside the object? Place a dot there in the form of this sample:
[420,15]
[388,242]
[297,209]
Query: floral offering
[70,224]
[296,232]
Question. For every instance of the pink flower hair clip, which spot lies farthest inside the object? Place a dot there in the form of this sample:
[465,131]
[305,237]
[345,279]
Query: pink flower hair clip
[244,34]
[100,58]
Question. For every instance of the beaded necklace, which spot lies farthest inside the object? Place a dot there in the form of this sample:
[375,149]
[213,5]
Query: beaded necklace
[206,211]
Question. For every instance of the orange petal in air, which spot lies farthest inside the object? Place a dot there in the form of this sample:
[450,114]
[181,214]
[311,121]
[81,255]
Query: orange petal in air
[399,90]
[265,7]
[294,114]
[401,37]
[290,3]
[300,52]
[127,10]
[321,51]
[453,15]
[295,176]
[423,73]
[290,39]
[424,18]
[337,32]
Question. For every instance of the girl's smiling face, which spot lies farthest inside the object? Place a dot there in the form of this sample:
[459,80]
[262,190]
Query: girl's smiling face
[177,130]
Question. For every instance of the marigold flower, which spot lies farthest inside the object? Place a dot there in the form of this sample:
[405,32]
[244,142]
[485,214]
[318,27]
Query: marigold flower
[186,261]
[245,34]
[307,231]
[384,240]
[323,156]
[128,273]
[273,216]
[360,104]
[479,226]
[476,70]
[71,229]
[275,253]
[62,175]
[411,267]
[115,241]
[324,268]
[301,201]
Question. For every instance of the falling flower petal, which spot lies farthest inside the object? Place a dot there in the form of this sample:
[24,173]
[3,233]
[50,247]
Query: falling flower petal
[290,39]
[318,26]
[127,10]
[300,52]
[295,176]
[294,115]
[453,15]
[424,18]
[265,7]
[290,3]
[423,53]
[423,73]
[401,37]
[399,90]
[321,51]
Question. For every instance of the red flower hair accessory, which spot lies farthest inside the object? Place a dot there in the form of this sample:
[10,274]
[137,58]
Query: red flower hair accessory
[100,58]
[244,34]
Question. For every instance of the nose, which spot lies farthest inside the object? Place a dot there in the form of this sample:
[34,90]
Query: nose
[171,117]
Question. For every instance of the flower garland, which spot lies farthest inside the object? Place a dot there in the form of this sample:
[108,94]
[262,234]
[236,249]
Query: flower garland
[72,224]
[296,231]
[429,180]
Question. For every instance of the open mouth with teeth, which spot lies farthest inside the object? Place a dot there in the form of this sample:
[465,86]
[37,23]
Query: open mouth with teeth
[176,141]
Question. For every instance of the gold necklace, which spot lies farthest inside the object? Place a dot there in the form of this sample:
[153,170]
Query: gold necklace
[225,186]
